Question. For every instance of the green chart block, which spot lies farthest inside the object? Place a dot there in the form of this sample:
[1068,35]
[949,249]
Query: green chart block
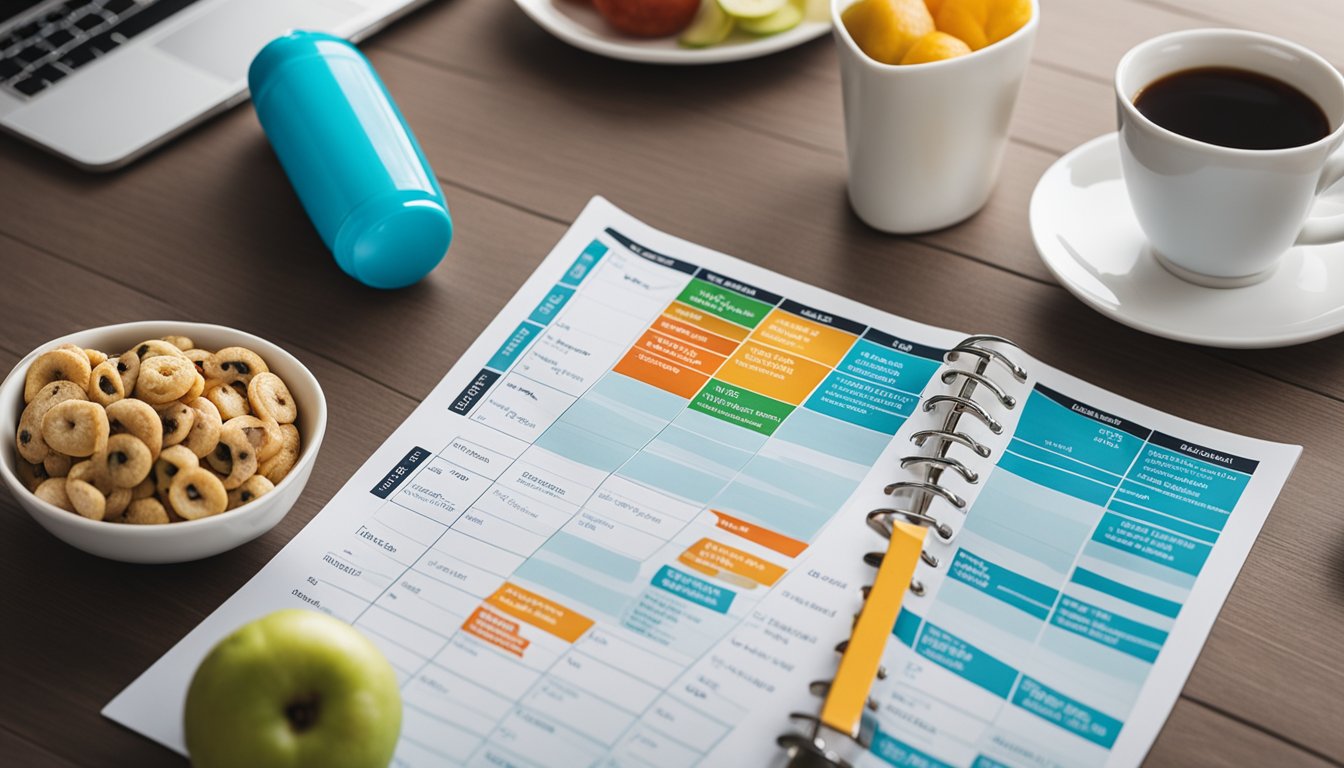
[733,307]
[741,407]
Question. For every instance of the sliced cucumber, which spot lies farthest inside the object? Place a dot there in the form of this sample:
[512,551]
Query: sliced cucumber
[784,19]
[751,9]
[710,26]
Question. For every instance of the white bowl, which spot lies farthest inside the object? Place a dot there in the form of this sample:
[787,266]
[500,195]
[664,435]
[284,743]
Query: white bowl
[182,541]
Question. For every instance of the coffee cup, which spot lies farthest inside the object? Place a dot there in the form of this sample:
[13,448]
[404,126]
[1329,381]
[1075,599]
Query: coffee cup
[1221,215]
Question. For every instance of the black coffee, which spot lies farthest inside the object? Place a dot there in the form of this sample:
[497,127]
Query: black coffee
[1233,108]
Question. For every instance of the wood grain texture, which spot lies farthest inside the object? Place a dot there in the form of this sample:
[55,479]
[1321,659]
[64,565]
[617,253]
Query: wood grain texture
[745,158]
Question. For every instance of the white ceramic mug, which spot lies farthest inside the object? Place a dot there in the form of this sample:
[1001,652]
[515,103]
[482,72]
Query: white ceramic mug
[925,141]
[1219,216]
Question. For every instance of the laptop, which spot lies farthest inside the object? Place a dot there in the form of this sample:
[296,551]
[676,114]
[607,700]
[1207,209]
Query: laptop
[102,82]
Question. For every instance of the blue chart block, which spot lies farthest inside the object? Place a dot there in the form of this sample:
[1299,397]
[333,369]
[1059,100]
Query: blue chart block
[907,626]
[1201,482]
[1127,593]
[1051,477]
[1069,714]
[862,403]
[973,664]
[1164,521]
[513,348]
[1153,544]
[888,367]
[1048,424]
[1110,629]
[695,590]
[998,582]
[1170,503]
[584,264]
[550,305]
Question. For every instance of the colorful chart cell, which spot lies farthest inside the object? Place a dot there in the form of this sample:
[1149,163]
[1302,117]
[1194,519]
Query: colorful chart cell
[551,305]
[691,334]
[518,342]
[1049,704]
[705,321]
[666,375]
[862,403]
[760,535]
[583,265]
[725,303]
[679,352]
[773,372]
[541,612]
[496,630]
[713,558]
[792,333]
[695,590]
[741,407]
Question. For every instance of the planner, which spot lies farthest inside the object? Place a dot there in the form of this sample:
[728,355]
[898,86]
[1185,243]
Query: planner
[674,509]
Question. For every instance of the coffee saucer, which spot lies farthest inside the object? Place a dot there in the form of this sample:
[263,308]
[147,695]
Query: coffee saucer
[1086,233]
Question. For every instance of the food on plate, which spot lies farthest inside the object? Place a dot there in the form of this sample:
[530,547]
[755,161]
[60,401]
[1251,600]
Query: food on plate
[648,18]
[711,26]
[922,31]
[162,433]
[787,17]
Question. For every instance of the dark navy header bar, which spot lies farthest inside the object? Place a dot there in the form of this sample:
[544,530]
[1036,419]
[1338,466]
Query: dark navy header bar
[654,256]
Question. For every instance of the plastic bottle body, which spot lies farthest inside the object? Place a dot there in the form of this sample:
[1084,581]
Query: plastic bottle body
[354,163]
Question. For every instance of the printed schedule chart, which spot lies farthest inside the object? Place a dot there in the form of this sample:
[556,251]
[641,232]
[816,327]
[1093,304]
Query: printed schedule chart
[640,461]
[627,529]
[1082,549]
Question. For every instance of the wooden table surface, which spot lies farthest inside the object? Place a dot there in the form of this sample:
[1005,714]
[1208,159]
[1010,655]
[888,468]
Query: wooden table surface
[746,158]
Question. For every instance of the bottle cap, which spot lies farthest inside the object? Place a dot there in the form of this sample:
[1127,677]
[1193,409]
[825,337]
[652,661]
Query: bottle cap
[394,239]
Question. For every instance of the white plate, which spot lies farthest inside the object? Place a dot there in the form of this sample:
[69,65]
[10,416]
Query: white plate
[1087,235]
[577,23]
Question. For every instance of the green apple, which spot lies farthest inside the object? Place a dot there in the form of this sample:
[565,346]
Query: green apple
[293,689]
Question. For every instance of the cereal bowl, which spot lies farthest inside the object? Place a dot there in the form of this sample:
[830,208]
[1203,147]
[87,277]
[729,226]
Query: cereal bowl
[179,541]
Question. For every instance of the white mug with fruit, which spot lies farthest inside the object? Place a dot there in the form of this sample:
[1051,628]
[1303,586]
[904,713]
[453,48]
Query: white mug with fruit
[929,88]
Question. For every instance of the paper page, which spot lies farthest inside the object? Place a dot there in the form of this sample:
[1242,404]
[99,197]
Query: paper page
[627,529]
[1067,611]
[561,548]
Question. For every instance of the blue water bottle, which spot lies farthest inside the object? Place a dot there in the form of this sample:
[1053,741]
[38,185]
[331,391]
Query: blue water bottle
[351,157]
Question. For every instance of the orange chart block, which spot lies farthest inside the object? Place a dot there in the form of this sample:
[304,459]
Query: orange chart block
[495,630]
[666,375]
[706,321]
[792,333]
[714,559]
[763,536]
[692,357]
[541,612]
[771,372]
[693,335]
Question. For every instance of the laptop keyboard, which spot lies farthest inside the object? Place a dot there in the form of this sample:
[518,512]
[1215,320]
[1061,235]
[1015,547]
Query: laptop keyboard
[36,55]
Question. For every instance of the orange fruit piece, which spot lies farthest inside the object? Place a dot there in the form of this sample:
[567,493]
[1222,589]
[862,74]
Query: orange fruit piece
[1006,17]
[933,6]
[935,46]
[885,29]
[982,22]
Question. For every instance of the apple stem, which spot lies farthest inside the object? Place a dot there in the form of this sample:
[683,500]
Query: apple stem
[302,713]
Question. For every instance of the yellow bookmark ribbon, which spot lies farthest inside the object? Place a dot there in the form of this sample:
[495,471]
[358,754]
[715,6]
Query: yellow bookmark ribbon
[843,708]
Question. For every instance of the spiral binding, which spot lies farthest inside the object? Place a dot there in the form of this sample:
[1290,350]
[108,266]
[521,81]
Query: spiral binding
[816,745]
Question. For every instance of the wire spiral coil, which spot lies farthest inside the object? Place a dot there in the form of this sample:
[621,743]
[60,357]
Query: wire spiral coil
[814,746]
